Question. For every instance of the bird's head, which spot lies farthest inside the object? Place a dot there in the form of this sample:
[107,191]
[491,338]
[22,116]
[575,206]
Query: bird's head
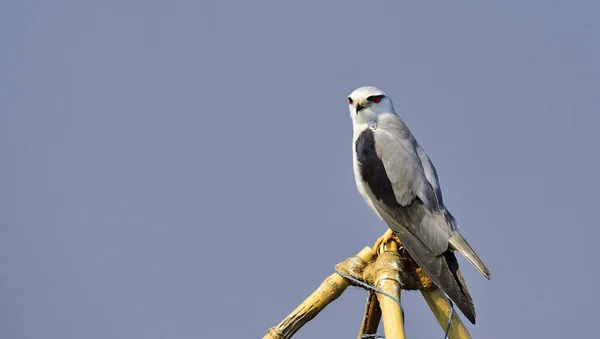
[367,103]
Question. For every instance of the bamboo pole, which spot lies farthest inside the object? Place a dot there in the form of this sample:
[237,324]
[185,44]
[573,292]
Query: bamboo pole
[372,316]
[387,279]
[330,289]
[440,306]
[385,274]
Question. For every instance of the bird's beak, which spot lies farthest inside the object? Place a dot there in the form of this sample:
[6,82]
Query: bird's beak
[359,107]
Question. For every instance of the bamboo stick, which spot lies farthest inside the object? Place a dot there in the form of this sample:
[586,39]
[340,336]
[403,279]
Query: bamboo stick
[330,289]
[440,306]
[372,316]
[388,280]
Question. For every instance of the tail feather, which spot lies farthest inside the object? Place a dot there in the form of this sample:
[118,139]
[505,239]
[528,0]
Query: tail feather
[460,244]
[441,269]
[423,237]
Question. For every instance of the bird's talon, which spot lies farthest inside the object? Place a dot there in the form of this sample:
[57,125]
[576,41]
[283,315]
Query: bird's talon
[387,236]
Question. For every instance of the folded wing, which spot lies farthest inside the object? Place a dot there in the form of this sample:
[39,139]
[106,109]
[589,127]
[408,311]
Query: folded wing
[404,198]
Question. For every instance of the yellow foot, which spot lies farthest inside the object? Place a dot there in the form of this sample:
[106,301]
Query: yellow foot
[389,235]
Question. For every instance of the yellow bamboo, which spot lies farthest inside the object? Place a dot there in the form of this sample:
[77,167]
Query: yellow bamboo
[388,273]
[330,289]
[372,316]
[440,306]
[387,279]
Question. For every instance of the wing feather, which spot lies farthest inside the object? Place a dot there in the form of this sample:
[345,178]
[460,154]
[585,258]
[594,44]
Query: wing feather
[418,216]
[418,213]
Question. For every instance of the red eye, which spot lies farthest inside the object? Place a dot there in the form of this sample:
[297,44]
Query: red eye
[350,101]
[375,98]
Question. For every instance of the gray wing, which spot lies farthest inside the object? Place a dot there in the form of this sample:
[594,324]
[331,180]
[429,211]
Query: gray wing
[415,215]
[430,173]
[432,178]
[420,214]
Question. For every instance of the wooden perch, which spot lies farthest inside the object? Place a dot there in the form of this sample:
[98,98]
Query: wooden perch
[329,290]
[387,268]
[372,316]
[440,306]
[387,279]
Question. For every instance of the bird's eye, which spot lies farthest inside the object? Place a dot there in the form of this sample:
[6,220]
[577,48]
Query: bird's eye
[375,98]
[350,101]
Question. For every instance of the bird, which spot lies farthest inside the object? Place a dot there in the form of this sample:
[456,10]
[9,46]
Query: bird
[398,181]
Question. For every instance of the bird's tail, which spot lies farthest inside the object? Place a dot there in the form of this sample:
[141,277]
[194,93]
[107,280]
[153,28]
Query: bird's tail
[439,263]
[461,245]
[443,271]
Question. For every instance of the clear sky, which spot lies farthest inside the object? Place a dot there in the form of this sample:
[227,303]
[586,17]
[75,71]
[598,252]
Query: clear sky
[183,169]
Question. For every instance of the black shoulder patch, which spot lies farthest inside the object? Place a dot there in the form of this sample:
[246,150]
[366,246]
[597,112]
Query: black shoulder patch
[372,170]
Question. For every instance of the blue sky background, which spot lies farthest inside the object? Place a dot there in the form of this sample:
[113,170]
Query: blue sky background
[182,169]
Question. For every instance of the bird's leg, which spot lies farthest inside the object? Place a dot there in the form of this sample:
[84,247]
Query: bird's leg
[388,235]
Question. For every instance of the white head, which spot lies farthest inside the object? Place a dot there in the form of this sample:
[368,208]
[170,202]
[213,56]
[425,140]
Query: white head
[367,103]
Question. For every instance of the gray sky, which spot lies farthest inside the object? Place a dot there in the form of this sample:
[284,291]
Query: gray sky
[182,169]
